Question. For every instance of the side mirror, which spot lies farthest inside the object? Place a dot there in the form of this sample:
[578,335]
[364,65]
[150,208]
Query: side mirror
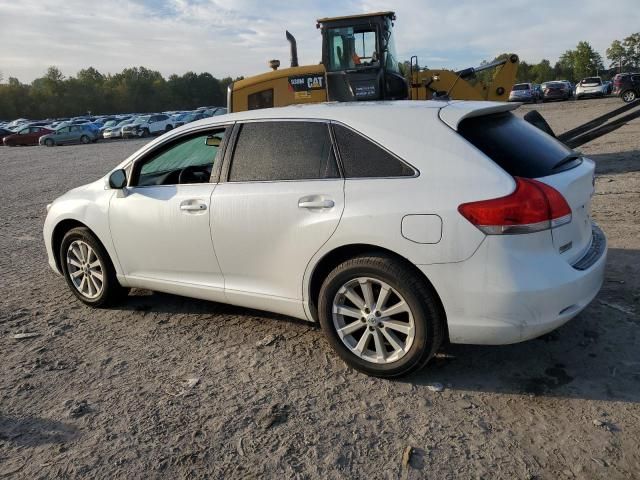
[213,141]
[118,179]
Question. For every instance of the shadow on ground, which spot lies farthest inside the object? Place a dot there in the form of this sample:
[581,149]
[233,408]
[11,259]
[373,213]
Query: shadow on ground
[595,356]
[619,162]
[33,432]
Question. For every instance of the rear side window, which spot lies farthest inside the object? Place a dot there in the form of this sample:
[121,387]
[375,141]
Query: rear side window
[361,158]
[521,149]
[272,151]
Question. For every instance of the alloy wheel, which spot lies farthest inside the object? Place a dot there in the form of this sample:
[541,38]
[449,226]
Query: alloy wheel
[85,269]
[373,320]
[629,96]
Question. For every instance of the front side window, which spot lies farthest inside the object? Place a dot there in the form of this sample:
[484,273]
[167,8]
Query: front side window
[273,151]
[188,160]
[361,158]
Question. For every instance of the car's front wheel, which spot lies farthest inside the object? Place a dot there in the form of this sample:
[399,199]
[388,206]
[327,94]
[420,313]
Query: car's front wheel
[628,96]
[88,270]
[380,316]
[49,142]
[84,139]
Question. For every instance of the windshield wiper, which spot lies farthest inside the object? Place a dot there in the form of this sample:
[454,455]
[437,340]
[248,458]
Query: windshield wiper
[568,159]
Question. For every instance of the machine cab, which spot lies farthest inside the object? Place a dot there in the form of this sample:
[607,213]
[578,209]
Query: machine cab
[358,53]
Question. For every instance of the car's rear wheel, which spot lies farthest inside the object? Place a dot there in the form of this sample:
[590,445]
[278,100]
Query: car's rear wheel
[628,96]
[84,139]
[380,316]
[88,270]
[49,142]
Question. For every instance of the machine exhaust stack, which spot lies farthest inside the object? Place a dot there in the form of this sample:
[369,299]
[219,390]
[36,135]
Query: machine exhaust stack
[294,49]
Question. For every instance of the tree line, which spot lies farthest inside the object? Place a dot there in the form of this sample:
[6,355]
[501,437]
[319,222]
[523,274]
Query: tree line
[140,89]
[137,89]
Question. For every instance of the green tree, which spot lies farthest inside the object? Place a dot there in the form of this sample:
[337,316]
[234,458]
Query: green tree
[617,54]
[631,45]
[542,72]
[577,64]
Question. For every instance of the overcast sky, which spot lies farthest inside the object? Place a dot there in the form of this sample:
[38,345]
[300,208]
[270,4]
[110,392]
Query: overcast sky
[238,37]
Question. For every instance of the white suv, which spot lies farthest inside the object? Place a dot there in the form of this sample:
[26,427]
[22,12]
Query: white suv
[147,125]
[394,225]
[590,87]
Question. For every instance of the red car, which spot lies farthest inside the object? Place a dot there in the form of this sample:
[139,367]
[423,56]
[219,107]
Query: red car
[26,136]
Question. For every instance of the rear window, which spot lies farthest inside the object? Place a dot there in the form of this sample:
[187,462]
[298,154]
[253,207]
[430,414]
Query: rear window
[592,80]
[521,149]
[521,86]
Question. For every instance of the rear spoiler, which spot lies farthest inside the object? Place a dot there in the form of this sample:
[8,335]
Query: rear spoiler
[456,111]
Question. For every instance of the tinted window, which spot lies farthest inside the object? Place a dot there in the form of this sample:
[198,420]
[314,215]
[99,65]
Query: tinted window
[263,99]
[517,146]
[189,160]
[268,151]
[363,158]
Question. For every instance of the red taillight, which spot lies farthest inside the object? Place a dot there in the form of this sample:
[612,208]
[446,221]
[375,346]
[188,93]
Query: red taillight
[532,207]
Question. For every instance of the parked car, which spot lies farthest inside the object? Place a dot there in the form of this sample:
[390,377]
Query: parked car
[25,136]
[69,134]
[480,232]
[147,125]
[538,91]
[590,87]
[5,132]
[570,87]
[116,131]
[188,118]
[608,87]
[16,123]
[555,91]
[523,92]
[627,86]
[215,111]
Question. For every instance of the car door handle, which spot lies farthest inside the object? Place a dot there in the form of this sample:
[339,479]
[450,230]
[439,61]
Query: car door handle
[192,206]
[305,203]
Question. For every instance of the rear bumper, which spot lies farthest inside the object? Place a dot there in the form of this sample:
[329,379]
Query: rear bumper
[504,295]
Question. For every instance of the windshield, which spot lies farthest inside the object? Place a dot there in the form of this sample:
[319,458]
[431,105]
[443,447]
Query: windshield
[352,47]
[144,119]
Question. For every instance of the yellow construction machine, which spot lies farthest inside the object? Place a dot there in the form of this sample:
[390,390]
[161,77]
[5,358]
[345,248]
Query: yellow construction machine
[359,62]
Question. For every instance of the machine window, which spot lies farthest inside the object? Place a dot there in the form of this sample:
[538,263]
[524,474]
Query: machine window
[263,99]
[189,160]
[361,158]
[351,47]
[272,151]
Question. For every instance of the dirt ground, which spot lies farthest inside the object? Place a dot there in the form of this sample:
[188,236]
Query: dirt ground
[168,387]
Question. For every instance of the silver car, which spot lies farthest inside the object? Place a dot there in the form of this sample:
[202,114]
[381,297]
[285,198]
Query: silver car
[70,134]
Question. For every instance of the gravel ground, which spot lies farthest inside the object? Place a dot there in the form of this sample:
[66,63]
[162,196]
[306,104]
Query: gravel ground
[165,386]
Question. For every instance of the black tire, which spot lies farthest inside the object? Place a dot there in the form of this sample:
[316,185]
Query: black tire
[168,128]
[112,291]
[628,96]
[49,142]
[84,139]
[145,133]
[425,307]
